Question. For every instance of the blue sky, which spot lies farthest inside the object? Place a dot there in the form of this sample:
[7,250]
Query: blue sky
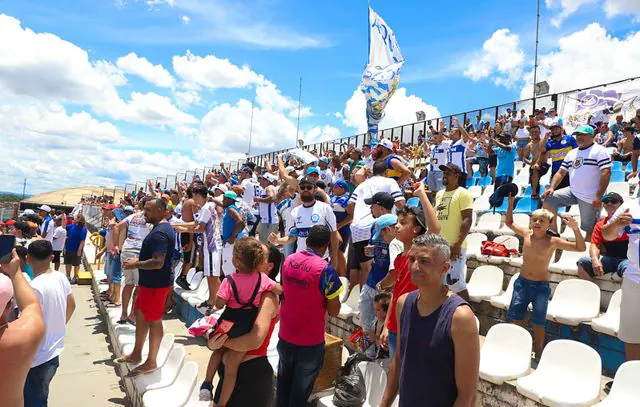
[103,115]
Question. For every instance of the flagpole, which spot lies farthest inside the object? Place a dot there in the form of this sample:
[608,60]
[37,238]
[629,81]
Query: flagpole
[535,63]
[299,104]
[251,126]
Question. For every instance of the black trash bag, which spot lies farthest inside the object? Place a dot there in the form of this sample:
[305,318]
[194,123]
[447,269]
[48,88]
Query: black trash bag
[350,390]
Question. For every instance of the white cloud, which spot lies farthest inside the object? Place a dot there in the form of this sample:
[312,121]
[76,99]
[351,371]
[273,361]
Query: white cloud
[140,66]
[151,108]
[575,65]
[188,97]
[213,72]
[501,58]
[186,19]
[152,3]
[616,7]
[400,110]
[112,72]
[611,8]
[321,133]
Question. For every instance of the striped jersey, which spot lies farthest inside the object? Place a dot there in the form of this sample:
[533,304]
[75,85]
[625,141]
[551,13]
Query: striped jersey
[458,155]
[584,166]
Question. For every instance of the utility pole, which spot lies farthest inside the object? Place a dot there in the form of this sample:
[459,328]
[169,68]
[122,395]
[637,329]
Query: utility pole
[299,104]
[24,187]
[535,64]
[251,126]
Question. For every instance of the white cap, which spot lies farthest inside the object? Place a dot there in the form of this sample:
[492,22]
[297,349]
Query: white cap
[45,208]
[270,177]
[290,168]
[556,121]
[28,212]
[386,143]
[221,187]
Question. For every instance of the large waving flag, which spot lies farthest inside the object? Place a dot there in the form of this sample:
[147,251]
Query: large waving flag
[382,73]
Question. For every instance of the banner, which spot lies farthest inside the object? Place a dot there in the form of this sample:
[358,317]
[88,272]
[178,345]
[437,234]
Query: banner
[381,75]
[602,104]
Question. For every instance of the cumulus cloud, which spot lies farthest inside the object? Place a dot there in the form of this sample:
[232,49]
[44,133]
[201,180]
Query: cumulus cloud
[574,65]
[501,59]
[140,66]
[400,110]
[611,8]
[321,133]
[213,72]
[186,19]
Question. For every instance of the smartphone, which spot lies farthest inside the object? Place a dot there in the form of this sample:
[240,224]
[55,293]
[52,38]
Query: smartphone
[119,214]
[223,327]
[7,243]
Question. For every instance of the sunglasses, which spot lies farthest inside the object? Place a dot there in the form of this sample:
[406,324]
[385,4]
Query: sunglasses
[306,187]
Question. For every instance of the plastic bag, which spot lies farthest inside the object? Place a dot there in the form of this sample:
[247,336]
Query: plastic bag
[350,389]
[202,325]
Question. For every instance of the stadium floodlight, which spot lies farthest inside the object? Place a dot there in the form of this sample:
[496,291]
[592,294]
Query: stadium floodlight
[420,116]
[541,88]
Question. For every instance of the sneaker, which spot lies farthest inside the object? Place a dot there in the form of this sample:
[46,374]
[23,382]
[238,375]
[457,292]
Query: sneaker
[182,282]
[206,391]
[74,280]
[607,387]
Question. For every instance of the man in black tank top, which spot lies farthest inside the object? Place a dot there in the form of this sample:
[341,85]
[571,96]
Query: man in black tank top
[437,325]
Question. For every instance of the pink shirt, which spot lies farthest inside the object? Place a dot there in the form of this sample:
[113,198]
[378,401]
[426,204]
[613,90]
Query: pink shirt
[245,283]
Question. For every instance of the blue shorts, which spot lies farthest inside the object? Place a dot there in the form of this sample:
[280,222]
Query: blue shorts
[609,265]
[114,268]
[393,338]
[527,292]
[521,144]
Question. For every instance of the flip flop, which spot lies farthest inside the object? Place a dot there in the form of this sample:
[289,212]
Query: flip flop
[122,359]
[137,372]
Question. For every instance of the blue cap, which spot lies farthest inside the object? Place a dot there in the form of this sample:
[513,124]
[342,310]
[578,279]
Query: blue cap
[382,222]
[312,170]
[129,208]
[342,184]
[324,160]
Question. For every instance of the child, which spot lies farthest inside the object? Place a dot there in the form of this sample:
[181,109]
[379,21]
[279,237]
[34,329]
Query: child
[339,202]
[381,307]
[533,284]
[240,293]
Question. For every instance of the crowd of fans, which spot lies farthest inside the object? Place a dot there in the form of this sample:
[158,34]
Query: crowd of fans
[390,217]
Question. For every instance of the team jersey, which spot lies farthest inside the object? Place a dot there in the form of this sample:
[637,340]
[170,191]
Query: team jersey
[326,176]
[302,218]
[439,155]
[339,205]
[267,210]
[584,166]
[458,155]
[208,216]
[392,172]
[251,190]
[558,150]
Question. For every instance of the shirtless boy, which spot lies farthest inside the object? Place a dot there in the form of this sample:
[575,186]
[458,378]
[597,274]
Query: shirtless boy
[531,156]
[533,284]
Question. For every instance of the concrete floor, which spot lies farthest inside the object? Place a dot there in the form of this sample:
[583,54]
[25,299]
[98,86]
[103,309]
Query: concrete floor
[86,376]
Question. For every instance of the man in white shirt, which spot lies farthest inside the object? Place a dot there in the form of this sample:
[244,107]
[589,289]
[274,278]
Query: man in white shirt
[250,189]
[325,173]
[58,304]
[589,169]
[437,156]
[359,262]
[267,207]
[45,230]
[457,150]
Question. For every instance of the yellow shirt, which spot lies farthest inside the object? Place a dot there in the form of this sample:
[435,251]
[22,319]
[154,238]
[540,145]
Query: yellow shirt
[449,207]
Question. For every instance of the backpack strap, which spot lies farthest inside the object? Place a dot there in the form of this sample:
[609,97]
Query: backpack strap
[234,288]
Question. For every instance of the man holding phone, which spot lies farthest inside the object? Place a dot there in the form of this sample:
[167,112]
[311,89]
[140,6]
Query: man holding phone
[19,339]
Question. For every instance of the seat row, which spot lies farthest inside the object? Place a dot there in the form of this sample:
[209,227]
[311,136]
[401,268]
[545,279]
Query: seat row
[568,373]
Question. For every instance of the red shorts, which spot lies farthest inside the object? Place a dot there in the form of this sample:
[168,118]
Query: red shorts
[151,301]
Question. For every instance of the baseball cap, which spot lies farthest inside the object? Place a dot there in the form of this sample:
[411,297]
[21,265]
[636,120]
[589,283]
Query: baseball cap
[584,129]
[418,212]
[128,208]
[383,199]
[451,167]
[342,184]
[10,222]
[312,170]
[324,160]
[109,207]
[556,122]
[231,195]
[246,169]
[270,177]
[612,195]
[6,291]
[290,168]
[386,143]
[383,222]
[28,212]
[221,187]
[45,208]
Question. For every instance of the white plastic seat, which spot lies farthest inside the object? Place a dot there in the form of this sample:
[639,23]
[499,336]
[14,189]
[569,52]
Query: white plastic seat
[194,399]
[198,295]
[520,219]
[166,344]
[166,375]
[505,354]
[345,356]
[485,282]
[574,301]
[503,300]
[375,379]
[568,375]
[510,242]
[474,244]
[568,262]
[488,190]
[522,179]
[190,277]
[345,291]
[481,204]
[178,393]
[488,222]
[350,307]
[621,188]
[609,322]
[475,191]
[625,390]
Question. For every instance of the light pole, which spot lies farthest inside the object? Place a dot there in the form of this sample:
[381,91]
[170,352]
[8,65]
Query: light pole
[535,63]
[251,127]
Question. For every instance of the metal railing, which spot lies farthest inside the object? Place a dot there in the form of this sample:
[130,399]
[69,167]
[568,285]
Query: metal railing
[407,133]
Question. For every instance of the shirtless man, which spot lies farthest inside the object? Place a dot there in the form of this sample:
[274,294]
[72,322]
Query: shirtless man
[533,284]
[19,339]
[532,153]
[189,248]
[112,262]
[628,150]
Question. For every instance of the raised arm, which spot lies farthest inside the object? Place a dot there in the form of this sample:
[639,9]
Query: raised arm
[577,246]
[519,230]
[291,181]
[430,216]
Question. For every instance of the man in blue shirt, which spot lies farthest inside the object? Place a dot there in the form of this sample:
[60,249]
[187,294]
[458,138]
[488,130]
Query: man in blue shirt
[506,153]
[154,265]
[232,226]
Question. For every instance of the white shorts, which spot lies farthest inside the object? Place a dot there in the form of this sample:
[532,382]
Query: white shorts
[211,263]
[227,256]
[630,304]
[455,278]
[130,275]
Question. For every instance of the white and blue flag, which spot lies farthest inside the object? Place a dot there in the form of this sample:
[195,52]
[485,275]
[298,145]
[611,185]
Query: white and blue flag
[382,73]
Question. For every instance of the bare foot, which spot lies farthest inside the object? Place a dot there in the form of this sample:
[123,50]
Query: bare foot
[144,368]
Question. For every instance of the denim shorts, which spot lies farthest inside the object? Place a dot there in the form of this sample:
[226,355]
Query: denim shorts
[609,265]
[527,292]
[114,268]
[521,144]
